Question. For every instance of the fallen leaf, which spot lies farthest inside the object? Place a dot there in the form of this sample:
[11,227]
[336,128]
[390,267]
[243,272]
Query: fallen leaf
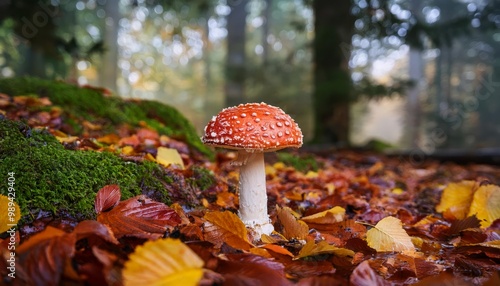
[277,249]
[364,275]
[457,226]
[11,213]
[456,199]
[48,233]
[90,228]
[169,156]
[226,227]
[163,262]
[109,139]
[389,235]
[44,256]
[107,197]
[292,228]
[486,204]
[248,269]
[322,247]
[140,217]
[333,215]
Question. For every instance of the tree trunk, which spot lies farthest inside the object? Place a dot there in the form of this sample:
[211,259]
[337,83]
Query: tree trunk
[109,68]
[235,59]
[334,26]
[266,14]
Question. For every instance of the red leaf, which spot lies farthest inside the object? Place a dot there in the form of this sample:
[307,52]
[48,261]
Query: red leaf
[107,197]
[140,217]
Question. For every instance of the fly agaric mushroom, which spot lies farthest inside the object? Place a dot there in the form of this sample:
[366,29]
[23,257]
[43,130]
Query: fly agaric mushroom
[252,129]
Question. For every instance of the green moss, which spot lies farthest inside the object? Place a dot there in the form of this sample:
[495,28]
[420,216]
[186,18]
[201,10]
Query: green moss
[202,178]
[51,178]
[91,105]
[301,163]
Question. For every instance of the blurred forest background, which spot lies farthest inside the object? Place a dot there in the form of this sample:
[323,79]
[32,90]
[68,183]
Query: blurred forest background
[416,74]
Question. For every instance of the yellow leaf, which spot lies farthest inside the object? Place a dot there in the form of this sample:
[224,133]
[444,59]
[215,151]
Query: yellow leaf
[311,175]
[456,198]
[486,204]
[322,247]
[169,156]
[127,150]
[10,213]
[389,235]
[335,214]
[226,227]
[163,262]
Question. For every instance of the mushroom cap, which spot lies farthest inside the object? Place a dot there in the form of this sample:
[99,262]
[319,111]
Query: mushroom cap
[253,127]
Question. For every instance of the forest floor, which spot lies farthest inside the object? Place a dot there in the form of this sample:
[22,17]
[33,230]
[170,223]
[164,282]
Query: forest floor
[341,217]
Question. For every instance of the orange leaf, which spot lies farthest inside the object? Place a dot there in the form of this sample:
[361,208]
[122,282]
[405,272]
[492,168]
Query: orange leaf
[277,249]
[140,217]
[48,233]
[109,139]
[107,197]
[292,228]
[226,227]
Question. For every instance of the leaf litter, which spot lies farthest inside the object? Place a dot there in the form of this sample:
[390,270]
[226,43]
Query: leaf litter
[357,218]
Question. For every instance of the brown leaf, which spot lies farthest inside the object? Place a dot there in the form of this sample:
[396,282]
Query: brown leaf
[321,281]
[292,228]
[459,225]
[89,228]
[45,259]
[364,275]
[322,247]
[247,269]
[140,217]
[226,227]
[107,197]
[418,266]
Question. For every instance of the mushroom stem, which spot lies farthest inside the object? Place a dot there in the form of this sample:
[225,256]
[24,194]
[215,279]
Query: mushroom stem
[253,194]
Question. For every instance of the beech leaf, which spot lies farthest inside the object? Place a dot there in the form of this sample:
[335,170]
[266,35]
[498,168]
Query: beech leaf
[248,269]
[333,215]
[163,262]
[322,247]
[8,207]
[226,227]
[456,198]
[169,156]
[140,217]
[107,198]
[389,235]
[44,256]
[364,275]
[292,228]
[486,204]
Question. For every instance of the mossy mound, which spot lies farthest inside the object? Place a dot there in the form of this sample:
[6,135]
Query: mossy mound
[51,178]
[91,105]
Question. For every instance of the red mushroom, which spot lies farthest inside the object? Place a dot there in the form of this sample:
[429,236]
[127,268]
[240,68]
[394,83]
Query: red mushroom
[252,129]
